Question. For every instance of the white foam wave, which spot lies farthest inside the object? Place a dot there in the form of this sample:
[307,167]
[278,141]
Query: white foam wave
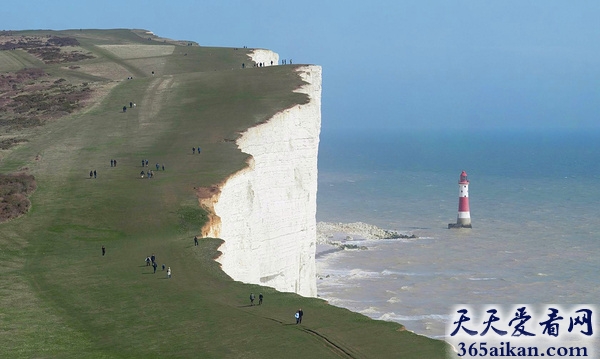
[370,310]
[399,273]
[360,274]
[482,278]
[393,317]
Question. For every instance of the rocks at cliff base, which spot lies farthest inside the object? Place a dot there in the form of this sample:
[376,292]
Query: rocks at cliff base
[352,246]
[335,233]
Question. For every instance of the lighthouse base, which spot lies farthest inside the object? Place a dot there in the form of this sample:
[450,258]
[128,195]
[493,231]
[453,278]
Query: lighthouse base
[459,225]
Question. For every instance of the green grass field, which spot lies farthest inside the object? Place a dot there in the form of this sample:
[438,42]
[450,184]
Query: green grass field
[60,298]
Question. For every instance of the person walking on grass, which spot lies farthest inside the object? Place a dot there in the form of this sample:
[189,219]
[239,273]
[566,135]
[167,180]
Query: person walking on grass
[154,265]
[94,173]
[169,273]
[195,240]
[251,298]
[260,298]
[297,316]
[193,150]
[300,314]
[103,251]
[91,174]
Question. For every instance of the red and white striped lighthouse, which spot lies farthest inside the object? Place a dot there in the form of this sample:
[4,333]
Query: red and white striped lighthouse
[464,215]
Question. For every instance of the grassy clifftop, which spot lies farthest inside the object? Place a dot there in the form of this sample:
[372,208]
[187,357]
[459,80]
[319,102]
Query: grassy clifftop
[62,95]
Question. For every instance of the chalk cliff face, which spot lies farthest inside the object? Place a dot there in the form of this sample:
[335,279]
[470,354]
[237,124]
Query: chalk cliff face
[265,56]
[267,210]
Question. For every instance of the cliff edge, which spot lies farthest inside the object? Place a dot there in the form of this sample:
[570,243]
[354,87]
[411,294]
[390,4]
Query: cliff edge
[266,212]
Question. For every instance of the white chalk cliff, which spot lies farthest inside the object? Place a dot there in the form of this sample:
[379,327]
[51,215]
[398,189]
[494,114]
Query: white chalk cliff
[267,57]
[267,211]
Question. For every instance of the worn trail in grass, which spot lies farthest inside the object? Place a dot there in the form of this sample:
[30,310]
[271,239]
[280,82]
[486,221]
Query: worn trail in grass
[61,298]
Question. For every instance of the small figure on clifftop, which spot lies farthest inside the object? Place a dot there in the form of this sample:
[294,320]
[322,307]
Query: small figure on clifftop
[251,298]
[91,174]
[103,250]
[195,240]
[169,272]
[193,150]
[124,108]
[260,298]
[300,314]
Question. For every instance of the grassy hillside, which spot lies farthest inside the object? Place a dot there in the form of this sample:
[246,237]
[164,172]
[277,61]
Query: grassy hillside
[59,297]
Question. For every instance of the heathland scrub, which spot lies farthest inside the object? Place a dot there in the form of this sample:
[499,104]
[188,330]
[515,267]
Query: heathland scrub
[61,298]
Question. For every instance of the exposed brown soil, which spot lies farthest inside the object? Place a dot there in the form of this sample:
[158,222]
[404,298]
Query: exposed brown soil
[208,196]
[14,192]
[207,192]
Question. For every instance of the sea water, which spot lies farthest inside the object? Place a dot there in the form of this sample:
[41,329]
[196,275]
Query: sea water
[534,201]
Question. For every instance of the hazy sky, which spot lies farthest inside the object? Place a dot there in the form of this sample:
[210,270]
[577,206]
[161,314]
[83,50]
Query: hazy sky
[390,64]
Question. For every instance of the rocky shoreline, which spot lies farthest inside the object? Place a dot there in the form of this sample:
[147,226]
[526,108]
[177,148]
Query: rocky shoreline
[338,234]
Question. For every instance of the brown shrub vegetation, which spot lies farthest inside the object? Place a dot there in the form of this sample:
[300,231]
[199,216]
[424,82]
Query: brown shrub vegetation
[46,48]
[9,142]
[14,192]
[29,97]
